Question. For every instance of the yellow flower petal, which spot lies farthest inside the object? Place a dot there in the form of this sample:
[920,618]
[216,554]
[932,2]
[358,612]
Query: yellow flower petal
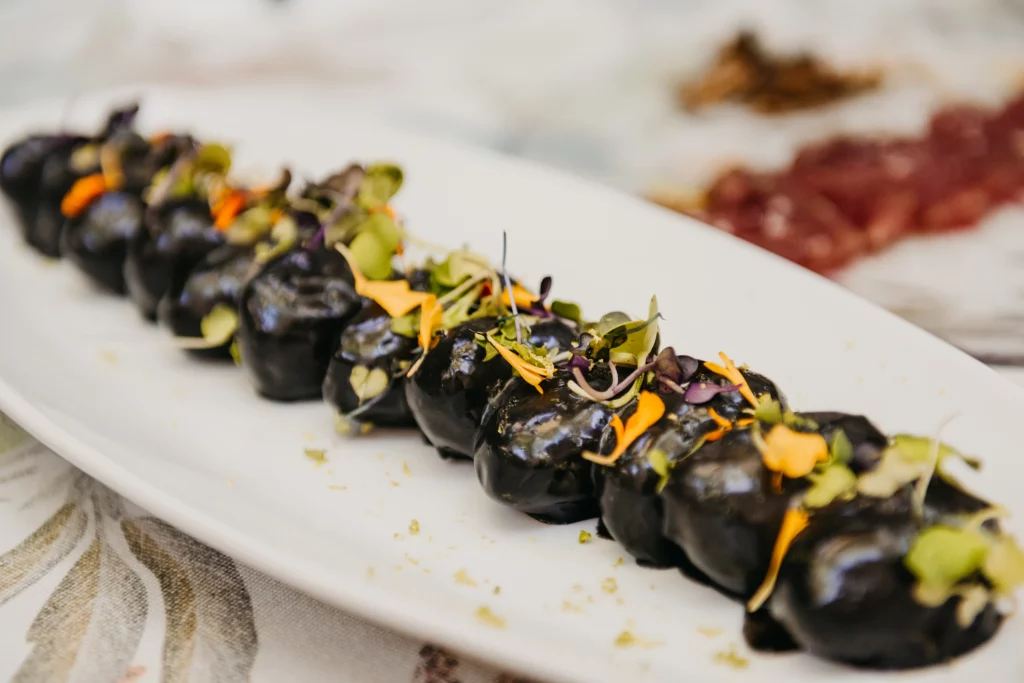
[794,454]
[529,372]
[733,374]
[394,296]
[430,321]
[649,409]
[793,523]
[524,298]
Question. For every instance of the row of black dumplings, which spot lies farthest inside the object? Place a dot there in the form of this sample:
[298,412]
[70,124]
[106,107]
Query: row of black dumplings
[691,490]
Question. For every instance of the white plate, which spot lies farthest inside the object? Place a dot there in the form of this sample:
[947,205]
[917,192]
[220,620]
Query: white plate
[191,442]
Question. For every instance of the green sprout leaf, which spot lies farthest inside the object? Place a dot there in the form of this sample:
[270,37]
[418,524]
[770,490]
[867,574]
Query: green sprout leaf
[833,482]
[567,310]
[840,450]
[213,158]
[660,464]
[1004,565]
[943,555]
[250,226]
[457,268]
[768,410]
[367,383]
[219,325]
[371,255]
[612,321]
[408,325]
[632,342]
[381,183]
[894,470]
[236,352]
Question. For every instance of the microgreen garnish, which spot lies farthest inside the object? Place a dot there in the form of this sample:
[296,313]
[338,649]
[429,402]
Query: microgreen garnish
[531,366]
[905,460]
[649,409]
[840,450]
[733,374]
[394,296]
[380,183]
[567,310]
[368,383]
[508,294]
[833,481]
[768,410]
[698,393]
[218,327]
[661,466]
[949,560]
[794,521]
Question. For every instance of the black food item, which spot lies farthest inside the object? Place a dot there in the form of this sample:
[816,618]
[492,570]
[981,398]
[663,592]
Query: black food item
[631,507]
[177,235]
[845,594]
[97,239]
[291,316]
[450,391]
[529,448]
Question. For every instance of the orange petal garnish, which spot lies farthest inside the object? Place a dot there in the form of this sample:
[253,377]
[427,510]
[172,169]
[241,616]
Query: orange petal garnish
[719,420]
[394,296]
[225,210]
[794,454]
[524,298]
[531,373]
[793,523]
[430,321]
[732,373]
[649,409]
[82,194]
[276,215]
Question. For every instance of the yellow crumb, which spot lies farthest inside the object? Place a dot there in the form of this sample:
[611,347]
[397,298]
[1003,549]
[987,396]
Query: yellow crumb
[414,527]
[609,585]
[461,577]
[485,615]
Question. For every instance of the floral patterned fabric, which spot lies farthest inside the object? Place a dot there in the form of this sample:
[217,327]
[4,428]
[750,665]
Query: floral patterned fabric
[95,590]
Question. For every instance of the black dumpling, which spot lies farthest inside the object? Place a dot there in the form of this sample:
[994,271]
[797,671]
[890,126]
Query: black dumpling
[530,445]
[291,316]
[631,509]
[178,234]
[97,240]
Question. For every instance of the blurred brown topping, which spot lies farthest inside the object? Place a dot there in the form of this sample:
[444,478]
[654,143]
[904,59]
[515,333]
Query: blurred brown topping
[745,73]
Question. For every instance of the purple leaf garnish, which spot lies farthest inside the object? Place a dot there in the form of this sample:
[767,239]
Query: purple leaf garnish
[666,365]
[545,289]
[576,361]
[689,366]
[702,392]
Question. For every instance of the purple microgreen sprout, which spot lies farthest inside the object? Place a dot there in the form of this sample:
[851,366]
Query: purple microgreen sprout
[616,386]
[508,285]
[577,361]
[336,215]
[698,393]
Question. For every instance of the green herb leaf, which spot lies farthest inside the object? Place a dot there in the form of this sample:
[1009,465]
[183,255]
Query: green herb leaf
[834,481]
[384,229]
[840,450]
[408,325]
[213,158]
[236,352]
[381,183]
[894,470]
[371,255]
[250,226]
[768,410]
[1004,565]
[943,555]
[367,383]
[568,310]
[458,312]
[219,325]
[920,448]
[284,235]
[611,321]
[456,269]
[659,463]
